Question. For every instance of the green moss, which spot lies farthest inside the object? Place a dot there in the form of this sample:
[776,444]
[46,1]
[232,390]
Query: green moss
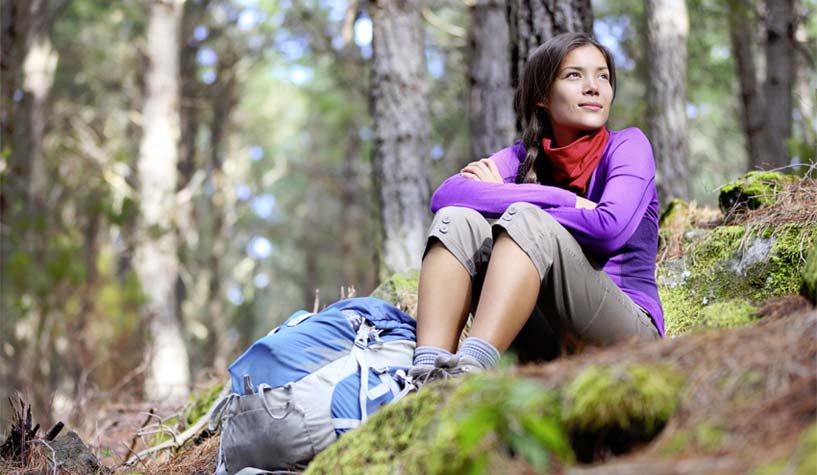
[808,288]
[602,398]
[400,290]
[706,437]
[676,210]
[380,445]
[200,402]
[731,271]
[753,190]
[495,414]
[729,314]
[802,461]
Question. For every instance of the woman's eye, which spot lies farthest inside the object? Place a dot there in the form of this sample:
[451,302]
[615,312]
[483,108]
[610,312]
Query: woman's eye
[605,76]
[572,74]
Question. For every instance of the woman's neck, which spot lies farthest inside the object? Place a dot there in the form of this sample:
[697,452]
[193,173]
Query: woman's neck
[565,137]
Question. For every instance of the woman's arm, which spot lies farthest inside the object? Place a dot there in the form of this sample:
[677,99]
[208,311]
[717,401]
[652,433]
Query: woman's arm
[492,199]
[626,196]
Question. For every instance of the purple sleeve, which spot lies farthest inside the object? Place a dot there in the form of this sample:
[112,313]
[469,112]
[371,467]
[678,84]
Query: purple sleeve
[492,199]
[629,180]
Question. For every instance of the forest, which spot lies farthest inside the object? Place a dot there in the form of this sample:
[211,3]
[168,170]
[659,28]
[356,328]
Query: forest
[179,176]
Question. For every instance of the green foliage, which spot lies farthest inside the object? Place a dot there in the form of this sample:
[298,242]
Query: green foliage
[493,414]
[200,402]
[620,397]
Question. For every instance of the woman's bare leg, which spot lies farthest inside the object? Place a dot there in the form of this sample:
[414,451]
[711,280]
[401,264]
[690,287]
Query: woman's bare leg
[444,299]
[508,295]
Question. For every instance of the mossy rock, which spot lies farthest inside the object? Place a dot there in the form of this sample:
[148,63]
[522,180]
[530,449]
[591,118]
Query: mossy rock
[498,422]
[401,291]
[729,272]
[676,211]
[808,289]
[753,190]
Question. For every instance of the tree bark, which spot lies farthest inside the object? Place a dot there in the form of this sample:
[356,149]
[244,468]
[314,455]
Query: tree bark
[401,131]
[224,100]
[742,37]
[39,66]
[532,22]
[491,114]
[156,260]
[805,94]
[779,23]
[667,29]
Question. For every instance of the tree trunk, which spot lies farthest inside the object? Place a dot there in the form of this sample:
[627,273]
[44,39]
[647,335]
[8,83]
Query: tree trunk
[39,66]
[156,260]
[532,22]
[780,49]
[742,37]
[401,131]
[805,95]
[667,28]
[491,113]
[224,101]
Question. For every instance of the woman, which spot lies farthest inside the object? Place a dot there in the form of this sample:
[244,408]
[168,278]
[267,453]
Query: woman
[573,249]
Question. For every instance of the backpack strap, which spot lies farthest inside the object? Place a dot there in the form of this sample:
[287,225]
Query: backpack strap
[366,334]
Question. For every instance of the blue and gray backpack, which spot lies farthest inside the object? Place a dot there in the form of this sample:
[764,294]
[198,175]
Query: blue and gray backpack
[310,380]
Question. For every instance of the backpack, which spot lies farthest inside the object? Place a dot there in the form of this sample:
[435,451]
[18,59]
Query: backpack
[310,380]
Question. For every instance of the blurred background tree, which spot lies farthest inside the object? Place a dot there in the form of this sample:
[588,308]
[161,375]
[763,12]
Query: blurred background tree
[279,137]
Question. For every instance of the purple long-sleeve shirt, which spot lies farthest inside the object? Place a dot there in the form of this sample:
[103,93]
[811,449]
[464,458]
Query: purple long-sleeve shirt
[621,232]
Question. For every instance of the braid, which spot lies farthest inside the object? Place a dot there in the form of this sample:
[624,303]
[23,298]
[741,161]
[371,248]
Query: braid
[535,130]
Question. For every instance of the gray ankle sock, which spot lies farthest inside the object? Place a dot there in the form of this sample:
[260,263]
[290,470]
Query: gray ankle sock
[480,350]
[426,355]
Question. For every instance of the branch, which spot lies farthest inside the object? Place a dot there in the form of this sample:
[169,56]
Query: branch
[190,433]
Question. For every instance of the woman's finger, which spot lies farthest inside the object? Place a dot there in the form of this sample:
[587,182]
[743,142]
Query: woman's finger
[494,171]
[478,169]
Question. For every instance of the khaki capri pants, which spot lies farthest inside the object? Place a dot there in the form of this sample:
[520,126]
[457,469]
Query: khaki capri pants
[577,298]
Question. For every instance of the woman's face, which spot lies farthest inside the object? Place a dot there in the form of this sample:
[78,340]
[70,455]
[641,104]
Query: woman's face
[580,96]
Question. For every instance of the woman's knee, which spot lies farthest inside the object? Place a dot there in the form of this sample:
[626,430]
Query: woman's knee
[464,232]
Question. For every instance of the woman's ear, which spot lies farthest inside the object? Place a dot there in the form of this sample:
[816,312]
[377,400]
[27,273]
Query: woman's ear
[542,104]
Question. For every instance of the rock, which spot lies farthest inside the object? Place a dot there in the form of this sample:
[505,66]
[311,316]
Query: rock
[753,190]
[726,273]
[74,456]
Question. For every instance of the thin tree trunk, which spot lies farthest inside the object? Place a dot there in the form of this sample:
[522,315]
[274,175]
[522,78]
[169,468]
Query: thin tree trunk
[351,236]
[39,66]
[401,131]
[805,95]
[532,22]
[223,103]
[667,29]
[156,260]
[742,37]
[491,113]
[780,49]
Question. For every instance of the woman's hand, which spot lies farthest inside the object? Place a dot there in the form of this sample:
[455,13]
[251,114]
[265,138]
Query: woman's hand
[482,170]
[584,203]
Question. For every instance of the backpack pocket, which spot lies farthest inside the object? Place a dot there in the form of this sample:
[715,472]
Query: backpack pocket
[265,430]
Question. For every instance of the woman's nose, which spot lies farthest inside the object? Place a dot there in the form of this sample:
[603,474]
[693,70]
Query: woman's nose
[591,85]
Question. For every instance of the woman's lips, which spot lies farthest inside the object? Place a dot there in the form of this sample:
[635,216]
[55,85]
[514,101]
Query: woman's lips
[591,106]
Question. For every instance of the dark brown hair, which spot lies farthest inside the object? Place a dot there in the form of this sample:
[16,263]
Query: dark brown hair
[534,87]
